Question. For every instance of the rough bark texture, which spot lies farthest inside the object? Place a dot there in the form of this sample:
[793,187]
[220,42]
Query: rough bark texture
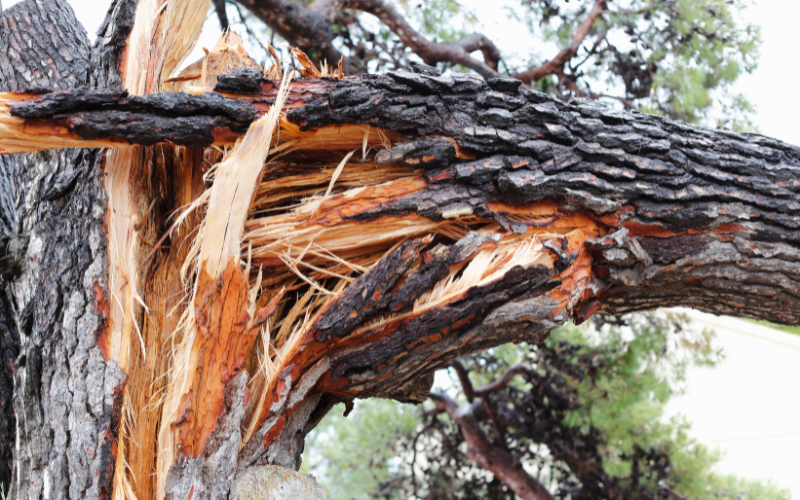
[684,193]
[9,349]
[67,395]
[636,212]
[42,45]
[109,47]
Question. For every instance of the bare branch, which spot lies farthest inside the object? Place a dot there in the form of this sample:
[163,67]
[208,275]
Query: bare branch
[501,384]
[444,403]
[494,459]
[463,377]
[310,29]
[431,52]
[219,6]
[571,85]
[556,64]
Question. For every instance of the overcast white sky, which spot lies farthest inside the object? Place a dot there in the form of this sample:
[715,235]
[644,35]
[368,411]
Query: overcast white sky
[750,406]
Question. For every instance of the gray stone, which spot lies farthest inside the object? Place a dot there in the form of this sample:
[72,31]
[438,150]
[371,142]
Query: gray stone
[275,483]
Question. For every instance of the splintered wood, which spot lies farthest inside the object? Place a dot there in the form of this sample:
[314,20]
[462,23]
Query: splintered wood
[289,247]
[303,254]
[228,322]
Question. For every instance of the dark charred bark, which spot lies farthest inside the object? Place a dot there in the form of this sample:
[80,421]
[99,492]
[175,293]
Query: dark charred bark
[109,47]
[63,375]
[9,350]
[67,395]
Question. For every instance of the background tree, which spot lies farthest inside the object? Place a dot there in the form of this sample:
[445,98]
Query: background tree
[677,58]
[580,416]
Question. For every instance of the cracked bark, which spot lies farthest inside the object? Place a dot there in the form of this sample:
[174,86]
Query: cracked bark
[66,397]
[632,212]
[676,191]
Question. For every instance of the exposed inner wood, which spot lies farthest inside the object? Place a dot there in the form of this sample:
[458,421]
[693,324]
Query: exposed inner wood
[288,274]
[214,260]
[177,176]
[226,55]
[162,35]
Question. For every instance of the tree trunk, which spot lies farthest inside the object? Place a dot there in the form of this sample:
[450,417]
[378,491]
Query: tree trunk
[474,214]
[66,396]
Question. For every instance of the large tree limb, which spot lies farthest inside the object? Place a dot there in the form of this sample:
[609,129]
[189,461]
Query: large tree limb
[621,167]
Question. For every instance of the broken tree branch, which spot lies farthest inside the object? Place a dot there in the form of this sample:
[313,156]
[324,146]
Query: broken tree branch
[481,213]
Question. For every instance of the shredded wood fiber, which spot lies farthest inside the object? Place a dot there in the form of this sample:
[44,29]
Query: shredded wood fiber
[270,240]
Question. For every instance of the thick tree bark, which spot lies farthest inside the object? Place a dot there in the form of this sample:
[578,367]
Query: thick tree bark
[67,395]
[479,214]
[674,190]
[9,350]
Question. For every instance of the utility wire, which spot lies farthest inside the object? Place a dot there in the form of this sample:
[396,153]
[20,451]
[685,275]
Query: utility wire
[756,437]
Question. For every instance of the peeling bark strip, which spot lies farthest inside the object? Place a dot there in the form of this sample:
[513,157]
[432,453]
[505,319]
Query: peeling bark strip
[478,213]
[228,332]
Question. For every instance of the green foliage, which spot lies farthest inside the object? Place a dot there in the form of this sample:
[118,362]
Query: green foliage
[625,402]
[642,364]
[699,47]
[352,456]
